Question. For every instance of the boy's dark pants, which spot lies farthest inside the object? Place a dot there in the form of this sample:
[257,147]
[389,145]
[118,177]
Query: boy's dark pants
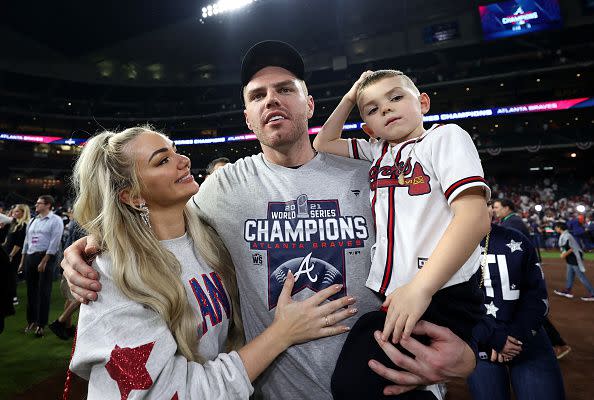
[458,307]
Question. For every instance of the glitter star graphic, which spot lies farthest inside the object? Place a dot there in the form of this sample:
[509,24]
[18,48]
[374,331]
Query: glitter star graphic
[492,309]
[513,246]
[127,366]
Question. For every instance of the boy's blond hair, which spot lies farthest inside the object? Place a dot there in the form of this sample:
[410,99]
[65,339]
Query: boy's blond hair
[378,75]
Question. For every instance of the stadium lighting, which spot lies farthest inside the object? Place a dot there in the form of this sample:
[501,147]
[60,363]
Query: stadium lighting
[573,155]
[538,208]
[224,6]
[580,208]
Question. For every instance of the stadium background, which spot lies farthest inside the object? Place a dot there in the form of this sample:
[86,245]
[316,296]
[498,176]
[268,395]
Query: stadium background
[68,70]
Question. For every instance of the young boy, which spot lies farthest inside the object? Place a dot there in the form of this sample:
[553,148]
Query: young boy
[428,198]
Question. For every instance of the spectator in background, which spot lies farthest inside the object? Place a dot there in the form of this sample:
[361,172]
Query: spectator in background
[5,221]
[13,244]
[590,232]
[515,349]
[216,164]
[6,305]
[576,228]
[62,327]
[42,242]
[505,211]
[573,255]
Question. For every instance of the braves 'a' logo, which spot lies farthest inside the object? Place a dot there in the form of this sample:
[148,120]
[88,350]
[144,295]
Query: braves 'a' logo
[308,238]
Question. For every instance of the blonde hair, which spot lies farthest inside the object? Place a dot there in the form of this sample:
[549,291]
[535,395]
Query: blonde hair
[26,217]
[381,74]
[150,274]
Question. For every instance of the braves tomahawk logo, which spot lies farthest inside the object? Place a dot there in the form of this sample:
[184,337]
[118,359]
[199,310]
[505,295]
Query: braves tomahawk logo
[307,237]
[414,178]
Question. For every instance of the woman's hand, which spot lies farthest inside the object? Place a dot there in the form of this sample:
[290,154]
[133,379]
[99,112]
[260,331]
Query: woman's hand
[302,321]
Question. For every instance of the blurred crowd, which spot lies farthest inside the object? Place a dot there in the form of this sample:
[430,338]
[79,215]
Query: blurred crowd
[540,205]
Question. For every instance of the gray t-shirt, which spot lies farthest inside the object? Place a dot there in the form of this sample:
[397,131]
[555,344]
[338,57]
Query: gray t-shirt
[315,221]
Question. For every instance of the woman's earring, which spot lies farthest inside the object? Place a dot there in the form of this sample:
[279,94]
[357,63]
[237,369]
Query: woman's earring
[144,214]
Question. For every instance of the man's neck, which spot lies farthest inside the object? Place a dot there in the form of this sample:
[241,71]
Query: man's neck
[507,216]
[297,154]
[44,214]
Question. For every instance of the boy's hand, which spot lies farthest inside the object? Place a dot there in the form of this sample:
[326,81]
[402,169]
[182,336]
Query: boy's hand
[352,93]
[405,305]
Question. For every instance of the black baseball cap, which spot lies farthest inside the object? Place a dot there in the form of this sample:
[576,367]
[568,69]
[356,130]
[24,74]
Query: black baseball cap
[271,53]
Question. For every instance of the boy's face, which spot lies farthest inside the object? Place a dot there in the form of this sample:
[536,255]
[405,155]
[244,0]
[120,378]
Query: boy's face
[392,110]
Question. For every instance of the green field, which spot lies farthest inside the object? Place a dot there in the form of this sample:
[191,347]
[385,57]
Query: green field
[27,360]
[555,254]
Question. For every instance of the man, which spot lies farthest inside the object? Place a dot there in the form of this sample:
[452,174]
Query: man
[42,242]
[514,345]
[216,164]
[281,210]
[505,211]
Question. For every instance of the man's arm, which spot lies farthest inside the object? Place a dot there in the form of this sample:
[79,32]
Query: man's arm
[445,358]
[328,138]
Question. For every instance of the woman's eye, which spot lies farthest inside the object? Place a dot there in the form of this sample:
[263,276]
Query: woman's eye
[372,111]
[164,161]
[396,98]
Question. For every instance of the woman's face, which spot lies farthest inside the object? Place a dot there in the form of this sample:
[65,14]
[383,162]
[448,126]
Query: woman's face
[17,213]
[164,174]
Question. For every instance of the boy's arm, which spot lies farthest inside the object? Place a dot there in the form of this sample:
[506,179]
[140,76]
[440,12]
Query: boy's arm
[469,225]
[328,138]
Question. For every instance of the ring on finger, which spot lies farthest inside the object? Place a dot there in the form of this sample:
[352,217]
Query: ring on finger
[326,322]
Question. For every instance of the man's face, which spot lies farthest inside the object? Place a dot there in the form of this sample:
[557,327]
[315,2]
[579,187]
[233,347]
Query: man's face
[277,107]
[499,210]
[41,206]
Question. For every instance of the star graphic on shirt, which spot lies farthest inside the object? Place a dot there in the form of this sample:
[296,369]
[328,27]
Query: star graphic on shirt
[492,309]
[513,246]
[127,366]
[513,286]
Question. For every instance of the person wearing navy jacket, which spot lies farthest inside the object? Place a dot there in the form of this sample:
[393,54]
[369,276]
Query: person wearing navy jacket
[514,347]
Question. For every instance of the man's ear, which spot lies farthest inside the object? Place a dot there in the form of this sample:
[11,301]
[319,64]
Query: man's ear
[368,131]
[247,121]
[310,106]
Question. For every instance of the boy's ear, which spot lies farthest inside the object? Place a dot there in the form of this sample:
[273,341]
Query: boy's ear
[425,103]
[368,131]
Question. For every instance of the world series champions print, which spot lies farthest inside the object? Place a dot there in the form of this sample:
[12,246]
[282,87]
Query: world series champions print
[309,238]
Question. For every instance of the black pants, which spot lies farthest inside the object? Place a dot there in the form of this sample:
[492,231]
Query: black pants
[458,307]
[39,288]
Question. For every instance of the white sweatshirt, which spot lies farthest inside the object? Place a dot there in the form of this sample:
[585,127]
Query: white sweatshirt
[126,351]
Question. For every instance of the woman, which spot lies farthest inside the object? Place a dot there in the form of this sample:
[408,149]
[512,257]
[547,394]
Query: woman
[169,304]
[14,241]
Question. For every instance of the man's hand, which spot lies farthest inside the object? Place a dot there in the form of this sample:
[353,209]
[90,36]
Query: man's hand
[82,279]
[447,357]
[405,305]
[42,265]
[512,347]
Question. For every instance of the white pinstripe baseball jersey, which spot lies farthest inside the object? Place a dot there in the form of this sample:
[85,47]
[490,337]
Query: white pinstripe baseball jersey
[412,187]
